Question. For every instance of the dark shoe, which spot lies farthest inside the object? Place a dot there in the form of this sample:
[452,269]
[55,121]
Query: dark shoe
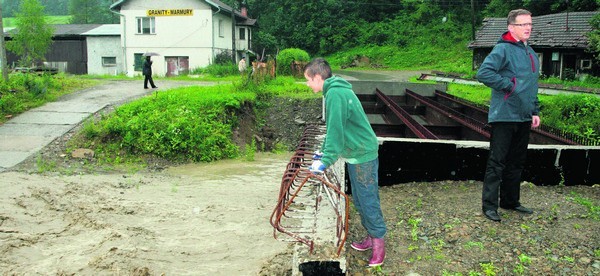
[145,87]
[155,87]
[492,215]
[523,209]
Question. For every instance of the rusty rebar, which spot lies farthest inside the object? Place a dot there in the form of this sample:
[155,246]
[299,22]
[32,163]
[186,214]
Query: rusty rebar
[303,192]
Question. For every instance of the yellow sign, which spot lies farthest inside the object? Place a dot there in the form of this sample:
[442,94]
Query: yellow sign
[173,12]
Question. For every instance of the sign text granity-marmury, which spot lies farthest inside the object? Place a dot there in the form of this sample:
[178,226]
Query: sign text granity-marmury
[171,12]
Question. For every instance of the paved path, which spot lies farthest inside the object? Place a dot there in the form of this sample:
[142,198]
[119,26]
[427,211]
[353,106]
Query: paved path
[29,132]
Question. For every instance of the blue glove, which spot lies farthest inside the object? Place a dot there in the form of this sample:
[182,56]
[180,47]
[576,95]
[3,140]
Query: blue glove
[317,167]
[318,155]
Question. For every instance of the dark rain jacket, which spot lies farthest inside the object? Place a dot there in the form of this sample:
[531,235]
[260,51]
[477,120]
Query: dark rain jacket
[512,70]
[147,68]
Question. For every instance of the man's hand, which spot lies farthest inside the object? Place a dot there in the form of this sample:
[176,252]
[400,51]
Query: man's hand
[317,167]
[535,121]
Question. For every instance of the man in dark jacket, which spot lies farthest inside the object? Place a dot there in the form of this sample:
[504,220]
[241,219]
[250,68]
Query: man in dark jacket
[147,72]
[512,71]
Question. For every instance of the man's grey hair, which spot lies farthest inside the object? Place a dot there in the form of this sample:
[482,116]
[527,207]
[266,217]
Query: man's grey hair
[512,15]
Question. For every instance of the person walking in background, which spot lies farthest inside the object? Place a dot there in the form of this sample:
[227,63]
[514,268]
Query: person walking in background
[242,65]
[349,135]
[511,70]
[147,72]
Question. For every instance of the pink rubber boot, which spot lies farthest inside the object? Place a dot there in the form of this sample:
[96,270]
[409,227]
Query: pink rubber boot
[378,252]
[364,245]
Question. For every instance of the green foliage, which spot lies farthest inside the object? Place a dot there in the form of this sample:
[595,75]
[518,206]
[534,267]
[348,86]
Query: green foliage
[191,123]
[25,91]
[594,36]
[593,208]
[578,114]
[183,124]
[223,58]
[287,56]
[218,70]
[33,36]
[92,12]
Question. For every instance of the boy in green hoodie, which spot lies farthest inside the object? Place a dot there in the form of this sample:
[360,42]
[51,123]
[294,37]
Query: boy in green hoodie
[349,135]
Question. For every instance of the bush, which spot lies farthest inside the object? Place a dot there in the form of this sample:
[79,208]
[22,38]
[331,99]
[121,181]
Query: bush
[218,70]
[223,57]
[287,56]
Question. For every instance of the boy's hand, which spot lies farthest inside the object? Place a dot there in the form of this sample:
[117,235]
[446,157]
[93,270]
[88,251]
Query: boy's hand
[317,167]
[318,155]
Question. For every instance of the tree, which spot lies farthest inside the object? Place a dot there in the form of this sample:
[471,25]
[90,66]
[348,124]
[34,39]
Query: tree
[91,12]
[594,37]
[32,37]
[3,51]
[9,8]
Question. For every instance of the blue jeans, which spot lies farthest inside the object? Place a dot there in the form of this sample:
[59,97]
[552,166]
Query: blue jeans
[364,181]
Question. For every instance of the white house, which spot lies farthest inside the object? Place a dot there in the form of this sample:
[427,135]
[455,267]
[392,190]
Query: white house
[104,52]
[186,34]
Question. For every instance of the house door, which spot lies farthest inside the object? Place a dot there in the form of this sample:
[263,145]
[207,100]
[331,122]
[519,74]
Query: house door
[177,66]
[569,67]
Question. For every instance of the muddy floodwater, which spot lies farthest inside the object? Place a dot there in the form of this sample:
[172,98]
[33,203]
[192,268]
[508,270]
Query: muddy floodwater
[196,219]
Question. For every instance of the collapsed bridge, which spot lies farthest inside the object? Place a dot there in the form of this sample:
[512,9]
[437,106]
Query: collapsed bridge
[425,134]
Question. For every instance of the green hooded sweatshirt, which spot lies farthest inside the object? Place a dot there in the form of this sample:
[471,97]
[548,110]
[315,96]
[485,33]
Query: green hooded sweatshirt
[349,134]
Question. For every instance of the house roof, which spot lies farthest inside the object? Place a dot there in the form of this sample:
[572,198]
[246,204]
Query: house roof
[241,19]
[548,31]
[105,30]
[64,30]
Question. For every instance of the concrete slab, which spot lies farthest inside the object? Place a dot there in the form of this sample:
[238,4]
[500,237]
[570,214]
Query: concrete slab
[79,107]
[24,143]
[9,159]
[54,118]
[11,129]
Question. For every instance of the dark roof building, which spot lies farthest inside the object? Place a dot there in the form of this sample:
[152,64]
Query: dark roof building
[559,39]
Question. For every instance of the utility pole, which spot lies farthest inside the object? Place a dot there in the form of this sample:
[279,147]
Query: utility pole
[3,50]
[473,20]
[234,54]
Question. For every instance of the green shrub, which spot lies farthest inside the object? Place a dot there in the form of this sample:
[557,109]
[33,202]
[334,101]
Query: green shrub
[224,57]
[287,56]
[577,114]
[189,123]
[218,70]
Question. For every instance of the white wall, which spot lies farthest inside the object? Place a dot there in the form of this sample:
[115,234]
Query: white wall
[190,36]
[104,46]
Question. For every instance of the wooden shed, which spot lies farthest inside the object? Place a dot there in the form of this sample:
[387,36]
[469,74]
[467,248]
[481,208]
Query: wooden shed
[68,51]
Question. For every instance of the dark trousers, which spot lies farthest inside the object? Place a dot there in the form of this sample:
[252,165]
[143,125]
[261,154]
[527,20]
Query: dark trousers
[508,151]
[148,78]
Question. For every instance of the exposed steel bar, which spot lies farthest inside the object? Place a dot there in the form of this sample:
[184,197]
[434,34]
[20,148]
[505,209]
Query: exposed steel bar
[466,121]
[301,195]
[416,128]
[542,130]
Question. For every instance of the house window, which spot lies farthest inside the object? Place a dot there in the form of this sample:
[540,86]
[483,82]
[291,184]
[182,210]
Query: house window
[109,61]
[586,64]
[221,28]
[242,33]
[145,25]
